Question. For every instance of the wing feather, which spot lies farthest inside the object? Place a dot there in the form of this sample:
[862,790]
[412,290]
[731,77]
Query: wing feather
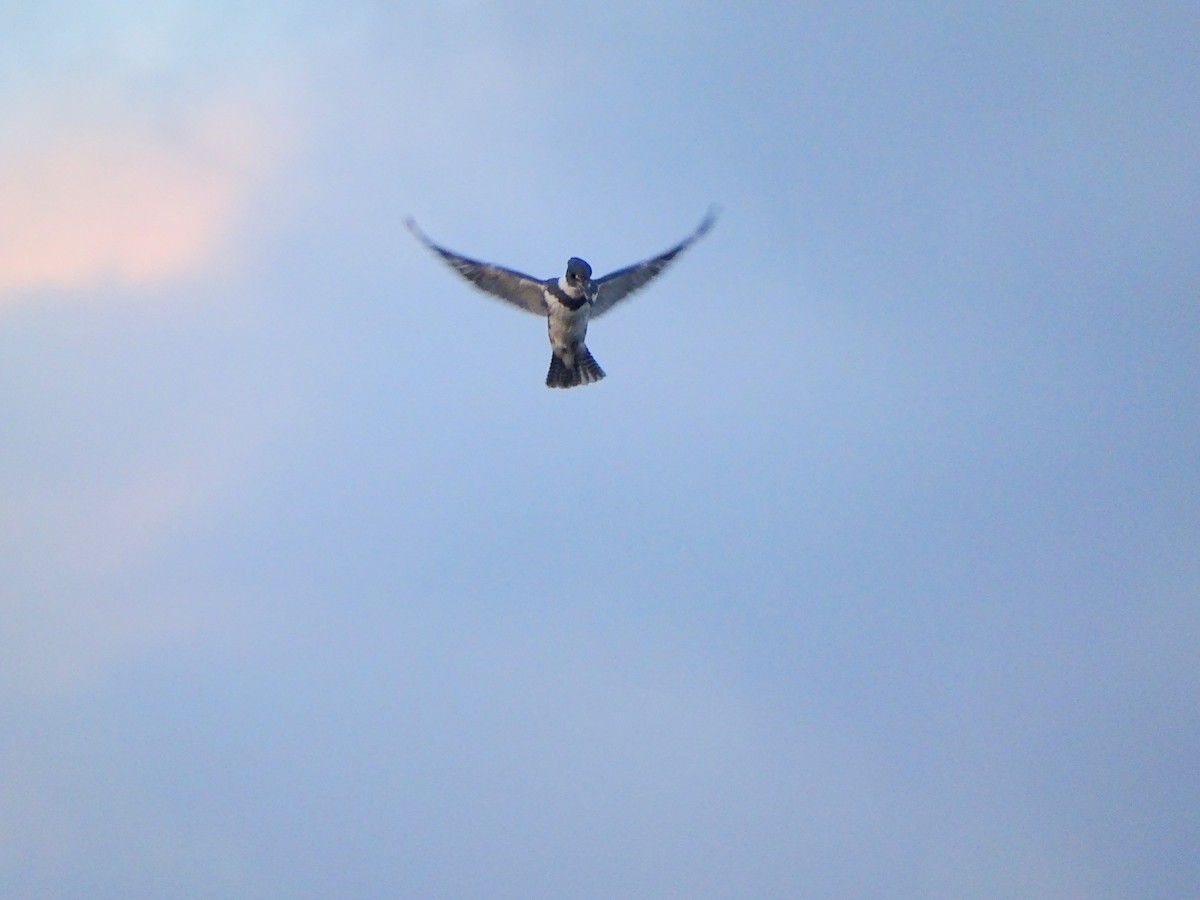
[516,288]
[613,288]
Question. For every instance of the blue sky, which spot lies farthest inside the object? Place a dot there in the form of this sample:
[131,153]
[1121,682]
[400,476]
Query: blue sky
[870,570]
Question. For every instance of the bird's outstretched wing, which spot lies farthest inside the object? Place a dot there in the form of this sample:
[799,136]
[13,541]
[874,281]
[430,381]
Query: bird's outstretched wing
[520,290]
[611,289]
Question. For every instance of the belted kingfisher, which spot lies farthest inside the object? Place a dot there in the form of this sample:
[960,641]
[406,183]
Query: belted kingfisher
[569,302]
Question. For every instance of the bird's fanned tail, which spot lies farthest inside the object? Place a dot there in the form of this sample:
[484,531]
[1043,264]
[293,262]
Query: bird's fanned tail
[585,371]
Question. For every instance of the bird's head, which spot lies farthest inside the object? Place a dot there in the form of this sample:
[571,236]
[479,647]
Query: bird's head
[579,273]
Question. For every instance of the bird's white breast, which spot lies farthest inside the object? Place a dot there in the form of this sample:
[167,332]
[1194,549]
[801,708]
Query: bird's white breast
[567,326]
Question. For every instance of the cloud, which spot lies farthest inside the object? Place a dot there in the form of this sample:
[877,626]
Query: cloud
[76,605]
[127,203]
[135,139]
[107,515]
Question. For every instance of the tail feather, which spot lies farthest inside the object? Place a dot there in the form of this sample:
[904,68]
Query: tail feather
[584,371]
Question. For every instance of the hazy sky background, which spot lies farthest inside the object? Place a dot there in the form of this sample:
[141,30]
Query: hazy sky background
[871,570]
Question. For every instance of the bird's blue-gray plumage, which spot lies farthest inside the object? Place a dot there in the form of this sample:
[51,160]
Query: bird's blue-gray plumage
[569,302]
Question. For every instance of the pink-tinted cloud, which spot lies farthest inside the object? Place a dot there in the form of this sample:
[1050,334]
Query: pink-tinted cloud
[126,203]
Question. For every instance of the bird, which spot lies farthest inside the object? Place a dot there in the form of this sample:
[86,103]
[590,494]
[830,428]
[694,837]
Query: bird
[568,302]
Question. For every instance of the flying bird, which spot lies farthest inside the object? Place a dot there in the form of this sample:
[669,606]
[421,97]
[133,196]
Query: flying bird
[568,302]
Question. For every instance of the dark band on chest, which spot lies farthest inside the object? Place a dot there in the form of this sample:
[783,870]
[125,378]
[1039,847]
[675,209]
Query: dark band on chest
[572,303]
